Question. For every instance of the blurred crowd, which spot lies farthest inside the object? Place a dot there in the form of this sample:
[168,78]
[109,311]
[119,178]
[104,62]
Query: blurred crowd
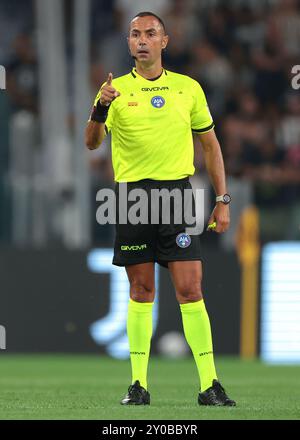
[241,52]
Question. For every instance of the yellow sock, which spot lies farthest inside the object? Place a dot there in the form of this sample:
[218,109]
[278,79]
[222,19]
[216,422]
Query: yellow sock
[197,332]
[139,331]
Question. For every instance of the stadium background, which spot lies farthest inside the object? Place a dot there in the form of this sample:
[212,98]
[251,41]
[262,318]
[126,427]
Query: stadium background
[58,291]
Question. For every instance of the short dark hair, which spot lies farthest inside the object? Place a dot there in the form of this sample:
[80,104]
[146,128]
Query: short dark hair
[151,14]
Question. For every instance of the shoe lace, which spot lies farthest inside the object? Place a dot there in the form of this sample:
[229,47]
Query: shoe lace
[219,387]
[134,388]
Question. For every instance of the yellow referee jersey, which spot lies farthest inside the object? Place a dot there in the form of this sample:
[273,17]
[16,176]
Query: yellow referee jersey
[151,125]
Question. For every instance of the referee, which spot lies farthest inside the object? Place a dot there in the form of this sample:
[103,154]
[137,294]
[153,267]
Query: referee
[151,113]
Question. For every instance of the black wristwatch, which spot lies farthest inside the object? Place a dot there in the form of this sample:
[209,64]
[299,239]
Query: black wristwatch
[224,198]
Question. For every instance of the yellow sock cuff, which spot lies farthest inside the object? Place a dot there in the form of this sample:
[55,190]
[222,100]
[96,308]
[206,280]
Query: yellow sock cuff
[193,306]
[140,306]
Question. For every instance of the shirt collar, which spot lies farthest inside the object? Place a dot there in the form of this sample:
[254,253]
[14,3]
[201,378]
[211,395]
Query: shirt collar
[137,75]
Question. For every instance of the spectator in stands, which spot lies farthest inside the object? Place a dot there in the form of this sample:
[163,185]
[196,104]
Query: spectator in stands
[22,74]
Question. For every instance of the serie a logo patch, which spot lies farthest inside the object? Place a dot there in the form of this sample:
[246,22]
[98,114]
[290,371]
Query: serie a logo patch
[158,101]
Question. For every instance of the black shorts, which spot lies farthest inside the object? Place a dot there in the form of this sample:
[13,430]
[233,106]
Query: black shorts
[161,243]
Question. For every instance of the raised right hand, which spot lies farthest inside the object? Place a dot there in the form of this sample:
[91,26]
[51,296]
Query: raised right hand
[108,93]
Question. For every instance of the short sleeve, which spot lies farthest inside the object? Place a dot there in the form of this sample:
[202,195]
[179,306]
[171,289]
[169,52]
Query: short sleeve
[201,119]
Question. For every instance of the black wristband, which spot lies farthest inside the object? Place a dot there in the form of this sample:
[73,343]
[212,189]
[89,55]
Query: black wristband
[99,112]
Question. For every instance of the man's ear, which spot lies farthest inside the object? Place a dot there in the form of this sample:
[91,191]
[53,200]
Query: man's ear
[165,41]
[128,47]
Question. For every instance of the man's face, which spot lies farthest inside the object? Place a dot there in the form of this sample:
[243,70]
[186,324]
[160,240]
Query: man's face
[146,39]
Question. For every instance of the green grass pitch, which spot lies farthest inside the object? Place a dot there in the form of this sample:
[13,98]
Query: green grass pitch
[90,387]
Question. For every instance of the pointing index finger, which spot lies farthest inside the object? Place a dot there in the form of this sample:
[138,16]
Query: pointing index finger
[109,78]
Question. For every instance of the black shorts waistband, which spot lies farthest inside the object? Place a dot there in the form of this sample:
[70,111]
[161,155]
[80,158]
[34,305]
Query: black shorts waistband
[155,182]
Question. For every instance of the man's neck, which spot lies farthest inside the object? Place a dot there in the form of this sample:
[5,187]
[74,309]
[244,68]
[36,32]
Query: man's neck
[149,72]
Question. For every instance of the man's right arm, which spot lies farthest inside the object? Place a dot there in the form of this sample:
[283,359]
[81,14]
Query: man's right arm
[94,134]
[95,130]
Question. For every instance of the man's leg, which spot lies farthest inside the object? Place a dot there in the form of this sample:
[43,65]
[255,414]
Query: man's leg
[139,320]
[187,277]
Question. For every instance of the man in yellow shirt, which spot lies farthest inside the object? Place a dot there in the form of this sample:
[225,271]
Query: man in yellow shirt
[151,113]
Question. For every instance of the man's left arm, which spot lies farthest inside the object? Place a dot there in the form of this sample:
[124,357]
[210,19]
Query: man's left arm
[215,167]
